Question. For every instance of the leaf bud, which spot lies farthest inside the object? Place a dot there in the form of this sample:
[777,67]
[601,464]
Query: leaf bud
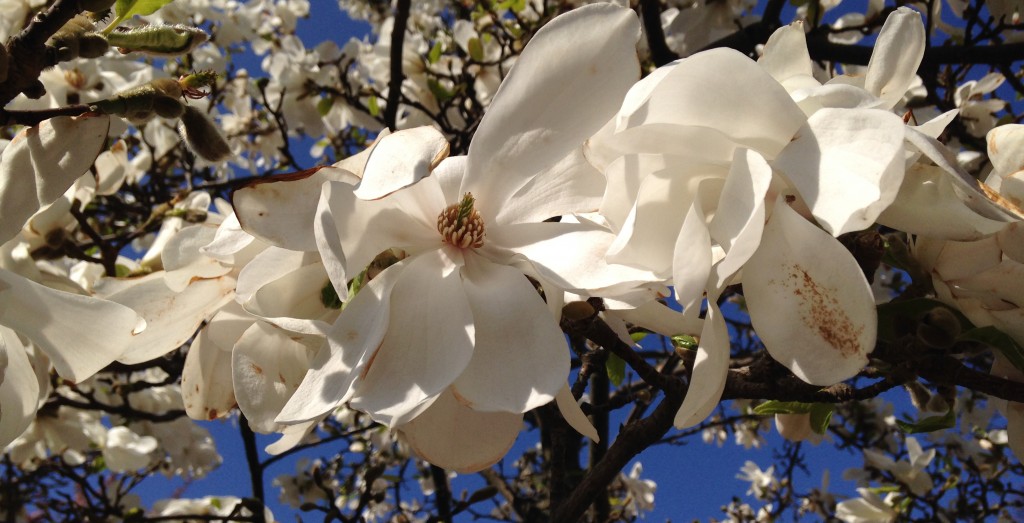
[938,328]
[202,137]
[168,107]
[158,39]
[920,396]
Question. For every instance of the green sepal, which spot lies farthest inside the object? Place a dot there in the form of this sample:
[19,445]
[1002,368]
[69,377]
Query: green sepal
[929,424]
[616,369]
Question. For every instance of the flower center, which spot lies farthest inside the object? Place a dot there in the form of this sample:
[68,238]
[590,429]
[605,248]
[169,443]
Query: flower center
[461,225]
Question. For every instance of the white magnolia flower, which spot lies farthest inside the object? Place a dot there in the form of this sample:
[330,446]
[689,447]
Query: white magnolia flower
[437,341]
[126,451]
[868,508]
[911,472]
[761,481]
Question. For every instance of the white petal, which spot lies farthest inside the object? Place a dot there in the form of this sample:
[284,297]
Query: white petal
[292,435]
[171,317]
[512,369]
[785,53]
[809,301]
[928,204]
[228,241]
[455,437]
[567,83]
[206,378]
[658,317]
[574,415]
[351,232]
[19,390]
[740,215]
[184,261]
[42,162]
[428,344]
[1006,148]
[980,198]
[267,266]
[710,370]
[54,321]
[280,209]
[650,231]
[898,51]
[267,367]
[351,342]
[691,258]
[847,165]
[571,255]
[401,159]
[571,186]
[295,295]
[723,89]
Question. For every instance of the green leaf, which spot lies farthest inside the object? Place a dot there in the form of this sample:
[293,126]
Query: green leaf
[121,271]
[637,337]
[355,286]
[324,105]
[435,53]
[821,416]
[616,368]
[685,341]
[891,314]
[929,424]
[1002,342]
[476,51]
[125,9]
[772,407]
[373,106]
[438,90]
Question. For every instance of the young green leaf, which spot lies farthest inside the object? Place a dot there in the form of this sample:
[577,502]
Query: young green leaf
[929,424]
[616,368]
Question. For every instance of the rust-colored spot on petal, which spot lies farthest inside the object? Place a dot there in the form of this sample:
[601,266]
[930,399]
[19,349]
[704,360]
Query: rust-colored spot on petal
[822,312]
[257,369]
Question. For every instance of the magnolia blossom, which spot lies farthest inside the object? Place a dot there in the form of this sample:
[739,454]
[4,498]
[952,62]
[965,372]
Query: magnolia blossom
[437,341]
[869,508]
[911,472]
[708,175]
[126,451]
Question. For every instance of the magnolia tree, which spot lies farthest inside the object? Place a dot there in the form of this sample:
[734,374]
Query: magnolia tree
[592,227]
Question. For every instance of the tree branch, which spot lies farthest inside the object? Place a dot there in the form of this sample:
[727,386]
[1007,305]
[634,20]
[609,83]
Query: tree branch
[395,82]
[27,49]
[650,13]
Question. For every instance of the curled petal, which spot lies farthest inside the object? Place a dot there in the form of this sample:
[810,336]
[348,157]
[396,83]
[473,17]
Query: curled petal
[898,52]
[401,159]
[568,82]
[42,162]
[709,370]
[847,165]
[19,390]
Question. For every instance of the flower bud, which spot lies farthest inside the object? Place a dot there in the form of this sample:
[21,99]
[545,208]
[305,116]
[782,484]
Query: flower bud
[202,137]
[158,40]
[920,396]
[77,38]
[938,328]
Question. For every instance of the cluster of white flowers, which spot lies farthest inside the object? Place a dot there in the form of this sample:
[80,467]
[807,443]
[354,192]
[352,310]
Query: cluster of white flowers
[426,289]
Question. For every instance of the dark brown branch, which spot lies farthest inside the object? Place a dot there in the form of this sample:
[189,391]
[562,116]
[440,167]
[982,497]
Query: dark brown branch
[32,118]
[252,457]
[947,370]
[632,439]
[650,13]
[395,82]
[27,49]
[442,494]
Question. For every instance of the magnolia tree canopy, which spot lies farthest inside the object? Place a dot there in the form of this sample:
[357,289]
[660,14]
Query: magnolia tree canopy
[592,228]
